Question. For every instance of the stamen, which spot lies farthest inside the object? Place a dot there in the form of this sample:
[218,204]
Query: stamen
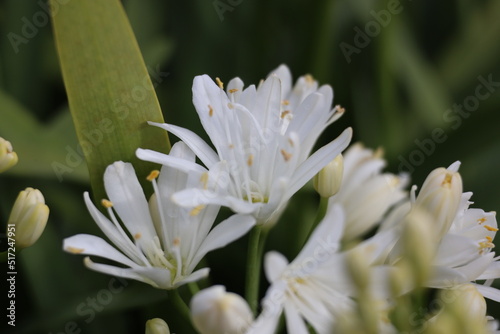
[219,82]
[284,113]
[250,160]
[287,156]
[106,203]
[447,180]
[210,111]
[231,146]
[490,228]
[309,78]
[230,105]
[234,90]
[340,109]
[196,210]
[137,236]
[490,239]
[285,102]
[379,153]
[177,242]
[153,175]
[75,250]
[481,220]
[204,180]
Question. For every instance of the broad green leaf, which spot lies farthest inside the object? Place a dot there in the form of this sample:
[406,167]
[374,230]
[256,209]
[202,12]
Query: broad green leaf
[48,151]
[110,93]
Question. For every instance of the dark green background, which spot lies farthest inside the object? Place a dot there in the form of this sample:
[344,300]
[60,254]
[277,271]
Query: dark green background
[397,90]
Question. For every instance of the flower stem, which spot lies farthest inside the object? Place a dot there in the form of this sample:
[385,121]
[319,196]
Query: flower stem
[180,304]
[323,206]
[254,262]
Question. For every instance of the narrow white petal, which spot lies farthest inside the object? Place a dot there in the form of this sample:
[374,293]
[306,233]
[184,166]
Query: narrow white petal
[294,322]
[202,150]
[224,233]
[317,161]
[492,272]
[274,265]
[167,160]
[194,197]
[489,292]
[455,250]
[193,277]
[127,196]
[157,277]
[91,245]
[325,240]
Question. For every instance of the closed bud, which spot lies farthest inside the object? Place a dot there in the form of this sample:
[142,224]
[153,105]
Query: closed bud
[440,196]
[469,301]
[157,326]
[327,182]
[29,215]
[8,157]
[215,311]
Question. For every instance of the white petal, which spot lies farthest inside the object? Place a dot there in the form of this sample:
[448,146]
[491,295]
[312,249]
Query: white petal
[202,150]
[492,272]
[326,237]
[317,161]
[167,160]
[194,197]
[224,233]
[294,322]
[128,200]
[91,245]
[489,292]
[455,250]
[193,277]
[274,265]
[157,277]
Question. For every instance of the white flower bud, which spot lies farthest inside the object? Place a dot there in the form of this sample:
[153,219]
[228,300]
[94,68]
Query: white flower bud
[470,301]
[215,311]
[157,326]
[29,215]
[440,196]
[327,182]
[8,157]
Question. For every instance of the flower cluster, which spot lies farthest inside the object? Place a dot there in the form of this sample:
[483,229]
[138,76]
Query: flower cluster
[373,252]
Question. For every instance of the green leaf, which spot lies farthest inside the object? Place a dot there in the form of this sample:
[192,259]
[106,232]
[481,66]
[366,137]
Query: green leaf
[110,93]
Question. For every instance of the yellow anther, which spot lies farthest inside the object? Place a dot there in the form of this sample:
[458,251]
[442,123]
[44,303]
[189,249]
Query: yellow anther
[340,109]
[177,242]
[379,153]
[284,113]
[210,111]
[137,236]
[153,175]
[290,141]
[490,239]
[285,102]
[106,203]
[75,250]
[231,146]
[309,78]
[481,220]
[230,105]
[447,180]
[234,90]
[250,160]
[204,180]
[196,210]
[219,82]
[490,228]
[287,156]
[485,245]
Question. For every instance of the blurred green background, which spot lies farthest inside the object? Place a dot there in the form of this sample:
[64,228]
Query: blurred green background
[402,70]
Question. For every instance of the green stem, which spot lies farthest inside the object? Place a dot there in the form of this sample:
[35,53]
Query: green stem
[254,261]
[180,304]
[323,206]
[193,288]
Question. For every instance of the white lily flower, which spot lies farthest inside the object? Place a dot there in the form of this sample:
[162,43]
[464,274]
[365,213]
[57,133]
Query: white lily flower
[316,286]
[366,194]
[8,157]
[263,138]
[167,241]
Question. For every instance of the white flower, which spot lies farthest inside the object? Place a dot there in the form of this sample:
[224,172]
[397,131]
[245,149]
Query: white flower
[215,311]
[316,286]
[167,241]
[262,136]
[366,194]
[29,215]
[327,182]
[8,157]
